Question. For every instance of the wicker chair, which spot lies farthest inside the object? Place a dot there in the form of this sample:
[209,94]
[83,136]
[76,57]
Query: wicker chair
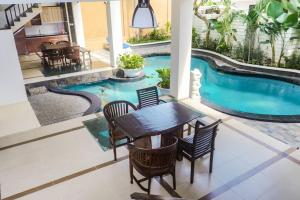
[153,162]
[55,58]
[201,143]
[111,111]
[73,54]
[63,42]
[148,97]
[43,44]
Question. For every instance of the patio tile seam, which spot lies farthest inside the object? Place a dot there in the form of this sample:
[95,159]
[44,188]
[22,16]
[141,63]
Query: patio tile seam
[249,136]
[167,187]
[250,173]
[64,179]
[289,157]
[42,138]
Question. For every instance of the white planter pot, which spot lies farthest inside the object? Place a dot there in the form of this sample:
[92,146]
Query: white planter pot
[130,73]
[163,91]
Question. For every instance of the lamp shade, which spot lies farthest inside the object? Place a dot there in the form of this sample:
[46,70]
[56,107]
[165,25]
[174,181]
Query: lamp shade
[143,16]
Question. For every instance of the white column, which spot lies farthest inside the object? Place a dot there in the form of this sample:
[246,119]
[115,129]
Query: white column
[114,26]
[12,88]
[182,21]
[78,23]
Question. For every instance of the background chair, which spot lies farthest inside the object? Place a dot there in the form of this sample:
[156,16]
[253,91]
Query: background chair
[43,44]
[73,54]
[148,97]
[153,162]
[63,42]
[111,111]
[199,144]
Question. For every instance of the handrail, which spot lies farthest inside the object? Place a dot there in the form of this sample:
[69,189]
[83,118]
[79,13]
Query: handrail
[15,11]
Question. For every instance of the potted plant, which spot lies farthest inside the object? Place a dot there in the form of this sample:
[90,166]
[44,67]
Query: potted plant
[164,84]
[132,65]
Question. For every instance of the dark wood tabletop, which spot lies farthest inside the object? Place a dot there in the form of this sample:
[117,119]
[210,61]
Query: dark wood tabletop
[55,46]
[154,120]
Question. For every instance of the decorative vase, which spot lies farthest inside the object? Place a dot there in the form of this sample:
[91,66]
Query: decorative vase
[163,91]
[131,73]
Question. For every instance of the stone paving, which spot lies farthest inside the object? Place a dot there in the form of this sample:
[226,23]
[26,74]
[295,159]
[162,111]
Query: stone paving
[51,107]
[288,133]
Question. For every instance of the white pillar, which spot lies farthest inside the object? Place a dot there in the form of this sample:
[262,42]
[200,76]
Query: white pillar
[12,88]
[114,26]
[182,21]
[78,23]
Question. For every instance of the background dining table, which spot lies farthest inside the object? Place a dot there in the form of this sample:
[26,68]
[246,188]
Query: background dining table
[154,120]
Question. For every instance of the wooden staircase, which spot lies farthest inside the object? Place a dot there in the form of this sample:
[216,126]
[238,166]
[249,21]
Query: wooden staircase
[17,15]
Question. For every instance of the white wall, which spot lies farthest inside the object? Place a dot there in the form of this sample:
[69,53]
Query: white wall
[12,88]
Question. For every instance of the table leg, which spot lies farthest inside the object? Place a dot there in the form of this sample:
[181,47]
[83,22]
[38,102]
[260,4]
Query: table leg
[177,133]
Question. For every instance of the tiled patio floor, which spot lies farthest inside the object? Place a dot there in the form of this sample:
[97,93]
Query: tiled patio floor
[288,133]
[70,165]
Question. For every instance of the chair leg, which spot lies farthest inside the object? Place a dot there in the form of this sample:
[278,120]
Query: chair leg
[149,185]
[115,150]
[174,179]
[131,172]
[211,160]
[189,129]
[192,171]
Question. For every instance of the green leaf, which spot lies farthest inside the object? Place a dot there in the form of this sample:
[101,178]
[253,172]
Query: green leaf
[274,9]
[291,20]
[282,18]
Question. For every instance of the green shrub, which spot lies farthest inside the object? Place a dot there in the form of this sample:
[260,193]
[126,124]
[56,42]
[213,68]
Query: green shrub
[212,45]
[238,53]
[154,36]
[164,75]
[293,62]
[131,61]
[195,39]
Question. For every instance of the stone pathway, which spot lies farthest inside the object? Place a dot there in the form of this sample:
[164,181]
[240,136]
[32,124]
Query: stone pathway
[288,133]
[51,107]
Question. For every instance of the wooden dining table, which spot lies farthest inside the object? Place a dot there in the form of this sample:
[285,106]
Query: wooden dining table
[49,47]
[83,51]
[154,120]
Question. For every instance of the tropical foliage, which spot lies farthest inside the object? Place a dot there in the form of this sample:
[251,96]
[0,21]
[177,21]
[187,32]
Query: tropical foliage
[164,75]
[131,61]
[274,18]
[155,35]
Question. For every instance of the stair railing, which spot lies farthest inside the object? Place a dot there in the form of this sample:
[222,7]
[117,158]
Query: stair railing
[14,12]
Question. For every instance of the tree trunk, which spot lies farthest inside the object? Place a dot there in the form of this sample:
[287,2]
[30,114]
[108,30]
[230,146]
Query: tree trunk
[207,36]
[282,49]
[272,41]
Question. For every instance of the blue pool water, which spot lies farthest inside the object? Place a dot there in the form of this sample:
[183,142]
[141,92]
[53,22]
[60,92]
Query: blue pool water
[238,93]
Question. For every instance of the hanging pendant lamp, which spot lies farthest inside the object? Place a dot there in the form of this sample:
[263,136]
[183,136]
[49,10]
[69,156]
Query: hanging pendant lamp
[143,16]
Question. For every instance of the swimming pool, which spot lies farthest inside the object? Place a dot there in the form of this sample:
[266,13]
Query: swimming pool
[232,93]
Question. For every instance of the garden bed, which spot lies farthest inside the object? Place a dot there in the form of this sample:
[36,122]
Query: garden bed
[229,65]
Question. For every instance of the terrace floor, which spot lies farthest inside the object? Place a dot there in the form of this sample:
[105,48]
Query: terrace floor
[32,69]
[64,161]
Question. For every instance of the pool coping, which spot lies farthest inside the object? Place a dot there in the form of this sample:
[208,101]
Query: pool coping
[230,66]
[93,99]
[226,70]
